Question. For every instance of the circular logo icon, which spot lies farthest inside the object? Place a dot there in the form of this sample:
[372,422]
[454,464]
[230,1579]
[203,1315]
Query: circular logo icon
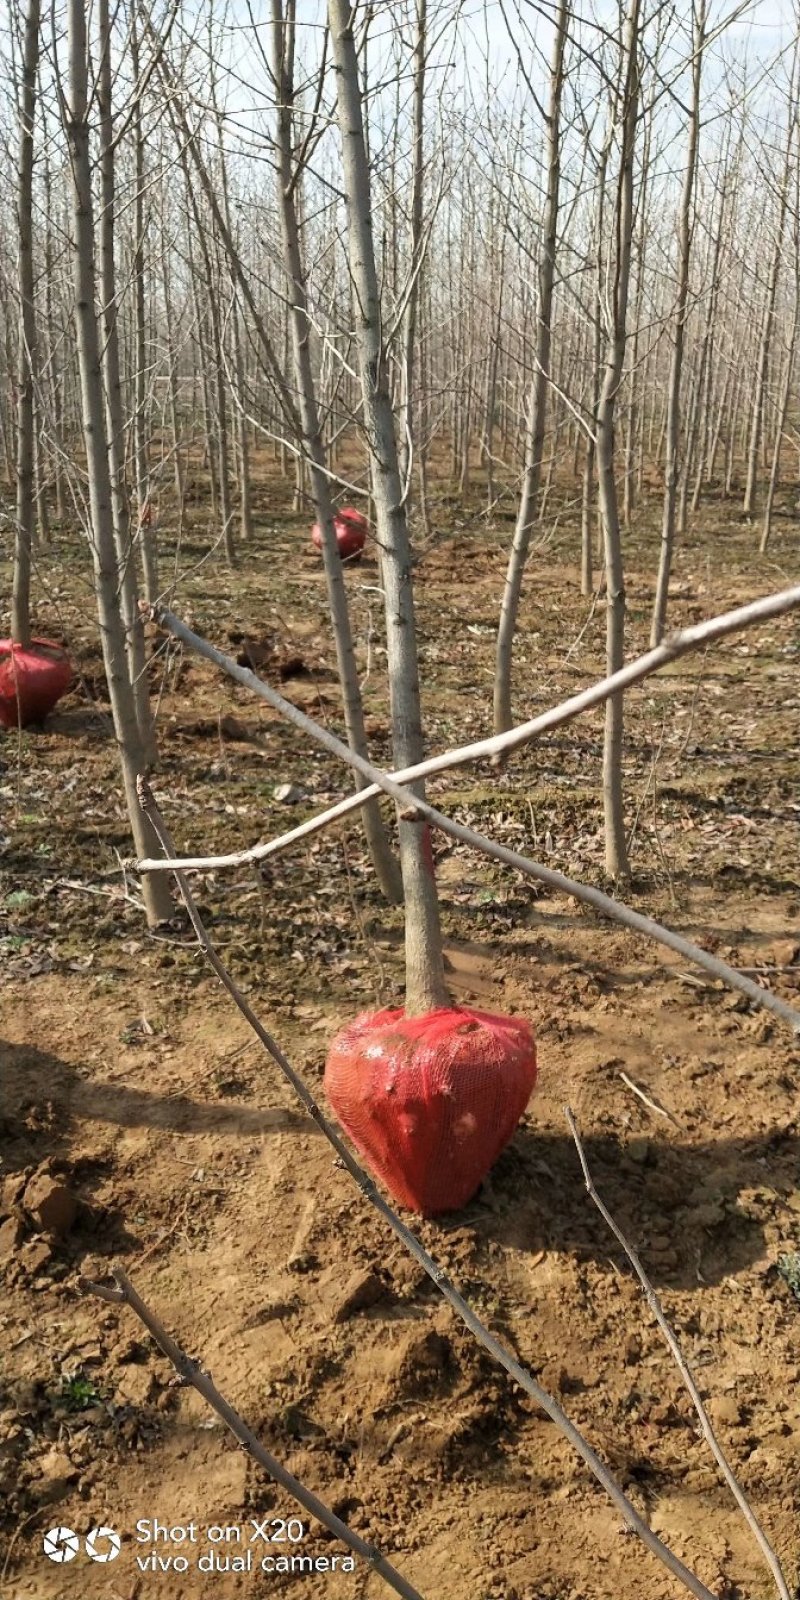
[103,1544]
[61,1544]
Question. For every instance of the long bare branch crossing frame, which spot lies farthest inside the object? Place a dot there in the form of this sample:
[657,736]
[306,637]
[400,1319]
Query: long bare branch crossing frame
[395,785]
[694,638]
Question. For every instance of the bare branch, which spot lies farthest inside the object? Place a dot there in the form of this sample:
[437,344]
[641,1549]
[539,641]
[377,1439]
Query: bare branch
[368,1188]
[685,1372]
[193,1375]
[697,637]
[530,869]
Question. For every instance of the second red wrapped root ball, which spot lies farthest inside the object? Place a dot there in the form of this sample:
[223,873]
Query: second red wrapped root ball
[32,680]
[430,1101]
[351,529]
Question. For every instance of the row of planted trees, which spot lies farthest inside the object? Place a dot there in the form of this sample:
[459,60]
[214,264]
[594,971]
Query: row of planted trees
[713,234]
[566,282]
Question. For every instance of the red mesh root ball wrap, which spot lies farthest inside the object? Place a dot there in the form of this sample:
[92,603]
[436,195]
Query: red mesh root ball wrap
[31,681]
[351,528]
[431,1101]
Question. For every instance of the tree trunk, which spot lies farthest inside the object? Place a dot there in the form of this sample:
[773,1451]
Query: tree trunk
[26,355]
[425,985]
[115,418]
[673,443]
[788,371]
[282,58]
[146,525]
[537,414]
[616,852]
[155,887]
[414,246]
[768,323]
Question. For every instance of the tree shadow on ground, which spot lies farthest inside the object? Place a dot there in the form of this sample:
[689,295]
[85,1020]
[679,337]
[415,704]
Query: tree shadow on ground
[696,1212]
[43,1100]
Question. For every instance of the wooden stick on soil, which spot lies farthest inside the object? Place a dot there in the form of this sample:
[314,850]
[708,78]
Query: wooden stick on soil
[698,637]
[192,1373]
[368,1188]
[685,1371]
[530,869]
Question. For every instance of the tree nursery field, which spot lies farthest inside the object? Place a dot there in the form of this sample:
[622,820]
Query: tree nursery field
[399,801]
[130,1081]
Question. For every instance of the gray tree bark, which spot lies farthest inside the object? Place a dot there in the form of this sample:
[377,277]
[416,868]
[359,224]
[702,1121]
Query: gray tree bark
[616,851]
[425,984]
[282,67]
[26,356]
[672,461]
[537,413]
[156,894]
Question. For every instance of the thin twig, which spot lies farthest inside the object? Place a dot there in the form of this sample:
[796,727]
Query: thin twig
[652,1105]
[192,1374]
[700,635]
[680,1361]
[368,1188]
[477,841]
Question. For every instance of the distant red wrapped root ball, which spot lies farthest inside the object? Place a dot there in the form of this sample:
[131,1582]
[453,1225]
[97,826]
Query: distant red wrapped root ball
[32,680]
[351,529]
[431,1101]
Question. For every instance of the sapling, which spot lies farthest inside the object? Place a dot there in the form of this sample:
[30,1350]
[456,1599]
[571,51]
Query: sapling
[33,672]
[429,1093]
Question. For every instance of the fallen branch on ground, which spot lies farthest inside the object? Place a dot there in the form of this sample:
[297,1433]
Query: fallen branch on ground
[477,841]
[192,1373]
[368,1188]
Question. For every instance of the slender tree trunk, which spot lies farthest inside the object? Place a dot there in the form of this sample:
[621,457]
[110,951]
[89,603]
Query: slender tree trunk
[26,355]
[673,443]
[788,371]
[768,323]
[616,848]
[425,985]
[242,440]
[408,431]
[283,59]
[155,889]
[115,418]
[537,414]
[54,382]
[146,525]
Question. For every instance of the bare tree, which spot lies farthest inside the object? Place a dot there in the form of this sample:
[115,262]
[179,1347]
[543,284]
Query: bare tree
[627,103]
[289,175]
[768,316]
[685,230]
[75,112]
[540,387]
[26,371]
[425,984]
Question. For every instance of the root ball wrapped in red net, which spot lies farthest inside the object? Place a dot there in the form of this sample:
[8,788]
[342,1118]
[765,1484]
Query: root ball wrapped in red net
[32,679]
[430,1101]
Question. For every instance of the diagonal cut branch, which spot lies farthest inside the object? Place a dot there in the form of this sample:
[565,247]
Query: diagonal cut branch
[192,1374]
[698,637]
[685,1371]
[530,869]
[371,1193]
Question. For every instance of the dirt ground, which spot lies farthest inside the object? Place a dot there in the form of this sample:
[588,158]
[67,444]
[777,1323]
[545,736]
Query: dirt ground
[129,1079]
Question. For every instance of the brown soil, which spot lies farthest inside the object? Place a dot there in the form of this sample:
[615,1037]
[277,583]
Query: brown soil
[130,1085]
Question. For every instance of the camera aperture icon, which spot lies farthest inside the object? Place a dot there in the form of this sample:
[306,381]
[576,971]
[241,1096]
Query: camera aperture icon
[100,1544]
[61,1544]
[103,1544]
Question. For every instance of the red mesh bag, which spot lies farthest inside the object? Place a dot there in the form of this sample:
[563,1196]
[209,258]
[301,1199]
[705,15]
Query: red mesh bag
[431,1101]
[351,529]
[31,681]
